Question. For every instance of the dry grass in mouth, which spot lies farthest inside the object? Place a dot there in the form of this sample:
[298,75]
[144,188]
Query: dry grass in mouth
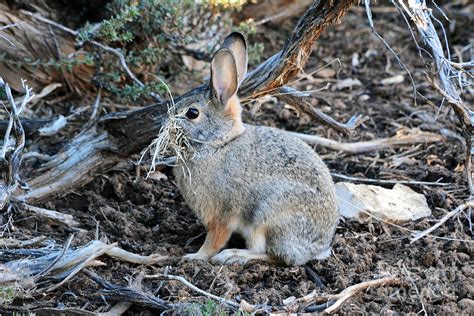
[171,141]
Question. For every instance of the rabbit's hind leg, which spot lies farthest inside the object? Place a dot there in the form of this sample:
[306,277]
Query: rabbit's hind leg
[256,243]
[242,256]
[217,236]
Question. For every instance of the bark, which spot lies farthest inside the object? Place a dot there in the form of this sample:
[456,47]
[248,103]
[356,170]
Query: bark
[40,54]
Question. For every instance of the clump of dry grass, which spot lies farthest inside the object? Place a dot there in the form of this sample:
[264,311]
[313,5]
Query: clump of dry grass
[171,141]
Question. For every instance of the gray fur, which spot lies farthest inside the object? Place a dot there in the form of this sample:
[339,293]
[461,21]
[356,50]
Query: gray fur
[255,180]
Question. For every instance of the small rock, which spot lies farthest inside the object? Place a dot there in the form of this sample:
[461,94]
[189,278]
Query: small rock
[326,73]
[346,83]
[392,80]
[398,205]
[355,60]
[363,97]
[466,304]
[158,176]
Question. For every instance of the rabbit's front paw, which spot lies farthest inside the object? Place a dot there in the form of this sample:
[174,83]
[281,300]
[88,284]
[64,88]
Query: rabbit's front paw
[196,256]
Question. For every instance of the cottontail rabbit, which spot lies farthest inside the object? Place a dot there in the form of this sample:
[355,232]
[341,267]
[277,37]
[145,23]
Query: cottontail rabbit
[257,181]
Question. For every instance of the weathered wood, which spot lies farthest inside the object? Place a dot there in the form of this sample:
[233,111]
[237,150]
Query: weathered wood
[13,144]
[38,53]
[118,135]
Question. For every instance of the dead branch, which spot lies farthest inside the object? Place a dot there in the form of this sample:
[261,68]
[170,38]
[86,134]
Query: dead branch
[416,137]
[117,293]
[119,135]
[63,264]
[300,100]
[315,297]
[354,289]
[182,280]
[385,181]
[421,15]
[64,219]
[457,210]
[12,148]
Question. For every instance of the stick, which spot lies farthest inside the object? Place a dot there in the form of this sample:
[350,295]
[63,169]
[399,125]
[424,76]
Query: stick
[377,144]
[120,293]
[58,217]
[300,100]
[460,208]
[194,288]
[383,181]
[127,256]
[354,289]
[61,254]
[336,300]
[82,265]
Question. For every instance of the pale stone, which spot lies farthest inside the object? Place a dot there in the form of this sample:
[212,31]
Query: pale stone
[397,205]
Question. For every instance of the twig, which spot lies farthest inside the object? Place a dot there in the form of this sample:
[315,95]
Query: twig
[82,265]
[60,255]
[387,45]
[182,280]
[127,256]
[377,144]
[336,300]
[53,127]
[95,107]
[120,293]
[460,208]
[354,289]
[65,219]
[300,101]
[383,181]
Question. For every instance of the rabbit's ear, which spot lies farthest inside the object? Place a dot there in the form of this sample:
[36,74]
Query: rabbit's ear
[224,76]
[237,44]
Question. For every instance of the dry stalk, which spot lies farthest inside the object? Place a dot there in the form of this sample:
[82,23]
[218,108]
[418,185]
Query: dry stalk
[457,210]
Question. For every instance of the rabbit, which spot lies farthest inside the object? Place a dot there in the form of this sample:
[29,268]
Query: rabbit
[258,181]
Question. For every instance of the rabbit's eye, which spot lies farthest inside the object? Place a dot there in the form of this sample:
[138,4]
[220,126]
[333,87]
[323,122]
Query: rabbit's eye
[192,113]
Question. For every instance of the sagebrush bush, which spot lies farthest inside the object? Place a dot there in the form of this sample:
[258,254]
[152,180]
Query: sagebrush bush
[153,35]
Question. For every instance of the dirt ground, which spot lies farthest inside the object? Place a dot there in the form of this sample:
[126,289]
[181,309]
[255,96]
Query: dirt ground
[149,216]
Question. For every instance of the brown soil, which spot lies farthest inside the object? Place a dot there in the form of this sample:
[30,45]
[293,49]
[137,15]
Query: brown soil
[149,216]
